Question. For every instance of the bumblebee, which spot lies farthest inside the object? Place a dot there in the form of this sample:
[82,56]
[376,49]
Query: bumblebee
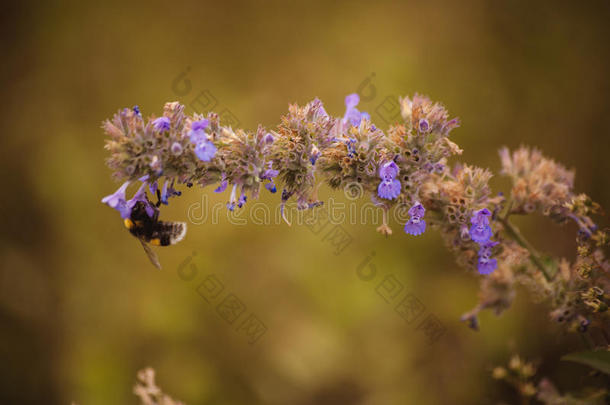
[151,231]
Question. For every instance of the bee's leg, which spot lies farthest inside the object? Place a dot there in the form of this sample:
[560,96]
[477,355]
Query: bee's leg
[158,198]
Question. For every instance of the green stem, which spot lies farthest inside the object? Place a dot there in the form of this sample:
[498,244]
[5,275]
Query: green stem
[534,255]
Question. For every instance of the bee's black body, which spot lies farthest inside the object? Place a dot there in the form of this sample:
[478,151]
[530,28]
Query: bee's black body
[150,230]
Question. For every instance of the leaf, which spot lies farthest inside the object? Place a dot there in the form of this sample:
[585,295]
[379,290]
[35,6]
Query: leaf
[599,359]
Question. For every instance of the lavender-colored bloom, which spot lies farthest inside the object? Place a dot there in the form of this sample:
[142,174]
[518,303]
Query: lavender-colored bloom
[176,149]
[269,174]
[352,100]
[200,125]
[486,265]
[242,200]
[486,247]
[140,195]
[389,189]
[118,202]
[161,124]
[271,187]
[198,136]
[480,233]
[480,217]
[415,226]
[205,151]
[417,210]
[232,200]
[365,116]
[222,186]
[168,191]
[424,126]
[153,187]
[315,154]
[269,138]
[388,171]
[136,110]
[352,115]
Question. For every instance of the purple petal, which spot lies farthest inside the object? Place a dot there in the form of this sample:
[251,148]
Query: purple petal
[271,187]
[161,124]
[222,186]
[417,210]
[389,189]
[415,226]
[487,266]
[205,151]
[200,125]
[480,233]
[352,100]
[388,170]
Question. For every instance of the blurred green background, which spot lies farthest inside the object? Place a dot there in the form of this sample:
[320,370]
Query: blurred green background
[82,310]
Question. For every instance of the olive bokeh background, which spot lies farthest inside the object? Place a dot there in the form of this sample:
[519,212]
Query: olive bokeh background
[81,309]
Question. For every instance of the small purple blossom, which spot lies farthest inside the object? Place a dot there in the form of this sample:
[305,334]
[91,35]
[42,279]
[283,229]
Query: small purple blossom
[140,195]
[242,200]
[415,226]
[271,187]
[389,189]
[417,210]
[136,110]
[352,115]
[222,186]
[315,154]
[205,151]
[269,138]
[200,125]
[388,171]
[424,126]
[480,217]
[480,231]
[486,265]
[176,149]
[161,124]
[168,191]
[118,202]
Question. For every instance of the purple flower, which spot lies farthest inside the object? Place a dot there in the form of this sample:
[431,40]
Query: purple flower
[136,110]
[140,195]
[176,148]
[485,248]
[200,125]
[424,126]
[205,151]
[271,186]
[417,210]
[153,186]
[269,138]
[352,100]
[222,186]
[480,233]
[365,116]
[415,226]
[480,217]
[486,265]
[168,192]
[269,174]
[117,201]
[389,189]
[242,200]
[388,171]
[232,201]
[161,124]
[352,115]
[315,154]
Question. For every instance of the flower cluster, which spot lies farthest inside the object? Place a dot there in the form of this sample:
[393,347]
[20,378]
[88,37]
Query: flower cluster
[405,167]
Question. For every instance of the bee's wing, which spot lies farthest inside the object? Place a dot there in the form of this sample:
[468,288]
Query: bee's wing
[154,259]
